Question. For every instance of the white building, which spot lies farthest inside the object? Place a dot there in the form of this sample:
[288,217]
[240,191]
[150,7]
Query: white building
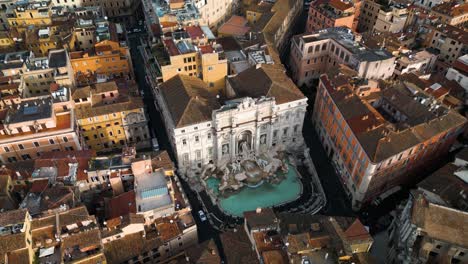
[421,61]
[459,72]
[153,196]
[264,109]
[428,3]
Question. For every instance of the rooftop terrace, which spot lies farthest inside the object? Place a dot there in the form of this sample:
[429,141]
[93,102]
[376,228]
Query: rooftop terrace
[345,37]
[188,12]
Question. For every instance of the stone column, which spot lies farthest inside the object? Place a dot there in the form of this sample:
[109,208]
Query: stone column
[232,147]
[257,136]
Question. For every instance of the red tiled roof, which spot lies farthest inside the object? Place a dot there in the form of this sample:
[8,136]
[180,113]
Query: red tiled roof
[206,49]
[340,5]
[357,231]
[168,24]
[460,66]
[442,91]
[39,186]
[194,32]
[76,55]
[102,48]
[171,47]
[63,158]
[121,205]
[235,26]
[359,124]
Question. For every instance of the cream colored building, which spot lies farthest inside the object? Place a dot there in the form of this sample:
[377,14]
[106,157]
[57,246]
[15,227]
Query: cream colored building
[315,54]
[452,13]
[448,42]
[215,12]
[391,19]
[368,16]
[40,73]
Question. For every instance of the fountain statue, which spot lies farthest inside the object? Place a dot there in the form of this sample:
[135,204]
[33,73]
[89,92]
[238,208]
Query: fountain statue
[210,167]
[247,169]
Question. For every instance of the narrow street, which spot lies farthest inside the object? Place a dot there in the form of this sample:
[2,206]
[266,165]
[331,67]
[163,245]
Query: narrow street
[337,202]
[205,230]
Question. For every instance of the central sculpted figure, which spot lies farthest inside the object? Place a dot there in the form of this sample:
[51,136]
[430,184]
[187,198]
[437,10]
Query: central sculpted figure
[244,148]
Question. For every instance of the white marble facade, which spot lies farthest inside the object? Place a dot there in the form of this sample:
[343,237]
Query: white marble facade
[243,124]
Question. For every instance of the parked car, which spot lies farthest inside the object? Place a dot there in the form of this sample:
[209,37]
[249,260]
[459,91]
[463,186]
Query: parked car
[202,216]
[155,144]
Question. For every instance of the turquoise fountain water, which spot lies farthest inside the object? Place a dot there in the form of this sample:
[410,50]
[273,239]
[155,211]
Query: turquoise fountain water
[266,195]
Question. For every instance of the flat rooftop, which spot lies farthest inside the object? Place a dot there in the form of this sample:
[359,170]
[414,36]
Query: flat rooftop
[345,37]
[30,111]
[188,12]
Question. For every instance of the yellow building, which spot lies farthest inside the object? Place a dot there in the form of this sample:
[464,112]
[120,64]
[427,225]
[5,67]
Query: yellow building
[30,13]
[107,61]
[6,42]
[41,40]
[193,56]
[109,118]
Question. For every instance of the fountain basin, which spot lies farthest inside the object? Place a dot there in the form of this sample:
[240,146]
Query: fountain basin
[263,195]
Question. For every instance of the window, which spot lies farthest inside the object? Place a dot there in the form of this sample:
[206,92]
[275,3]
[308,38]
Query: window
[6,149]
[197,139]
[26,157]
[209,136]
[198,154]
[51,141]
[65,139]
[184,142]
[12,159]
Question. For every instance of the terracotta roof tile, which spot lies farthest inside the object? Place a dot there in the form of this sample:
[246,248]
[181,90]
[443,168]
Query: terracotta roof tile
[61,161]
[123,249]
[189,100]
[12,217]
[237,247]
[206,253]
[268,80]
[195,32]
[235,26]
[439,222]
[121,205]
